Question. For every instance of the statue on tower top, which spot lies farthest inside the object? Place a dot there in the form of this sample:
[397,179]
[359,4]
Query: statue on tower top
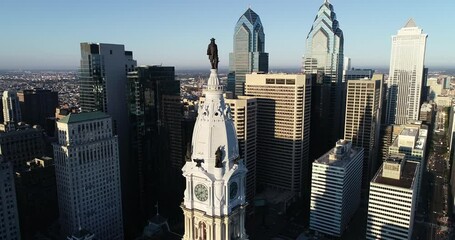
[212,52]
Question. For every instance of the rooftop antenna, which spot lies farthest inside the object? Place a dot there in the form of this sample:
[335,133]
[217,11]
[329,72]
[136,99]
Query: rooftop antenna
[157,208]
[79,220]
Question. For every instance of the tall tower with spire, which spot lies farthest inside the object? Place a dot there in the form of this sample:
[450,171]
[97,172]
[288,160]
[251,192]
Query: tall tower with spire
[214,199]
[404,85]
[324,58]
[249,51]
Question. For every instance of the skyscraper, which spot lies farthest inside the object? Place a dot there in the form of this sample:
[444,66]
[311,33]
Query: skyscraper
[404,85]
[335,188]
[214,202]
[249,51]
[103,87]
[11,109]
[392,200]
[88,175]
[9,216]
[363,108]
[156,155]
[283,128]
[324,56]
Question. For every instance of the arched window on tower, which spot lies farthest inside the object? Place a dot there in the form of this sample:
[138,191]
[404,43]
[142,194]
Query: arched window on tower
[202,231]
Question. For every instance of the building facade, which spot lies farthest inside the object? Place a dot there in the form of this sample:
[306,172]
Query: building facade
[393,200]
[36,189]
[355,73]
[362,122]
[406,76]
[335,188]
[9,216]
[103,87]
[156,140]
[11,108]
[244,115]
[214,202]
[283,128]
[411,142]
[88,175]
[22,145]
[324,56]
[37,105]
[249,51]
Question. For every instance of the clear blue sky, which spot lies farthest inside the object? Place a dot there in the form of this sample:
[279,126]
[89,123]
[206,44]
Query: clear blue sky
[45,34]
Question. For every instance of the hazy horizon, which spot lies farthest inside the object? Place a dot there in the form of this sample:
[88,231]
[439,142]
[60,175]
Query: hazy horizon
[48,33]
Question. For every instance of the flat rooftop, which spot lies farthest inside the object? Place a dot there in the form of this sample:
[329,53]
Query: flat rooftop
[412,132]
[420,134]
[406,180]
[324,159]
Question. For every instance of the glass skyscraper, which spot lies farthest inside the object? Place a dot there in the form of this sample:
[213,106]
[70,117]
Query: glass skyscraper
[248,55]
[324,60]
[404,86]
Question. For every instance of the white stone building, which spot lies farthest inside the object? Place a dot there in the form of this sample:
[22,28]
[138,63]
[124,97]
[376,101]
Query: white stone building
[214,198]
[88,175]
[405,81]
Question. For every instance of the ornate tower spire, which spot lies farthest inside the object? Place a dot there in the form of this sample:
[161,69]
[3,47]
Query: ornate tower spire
[215,178]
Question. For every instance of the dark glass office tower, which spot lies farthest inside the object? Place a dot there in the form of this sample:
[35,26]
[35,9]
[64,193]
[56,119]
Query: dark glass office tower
[156,122]
[249,51]
[38,107]
[324,56]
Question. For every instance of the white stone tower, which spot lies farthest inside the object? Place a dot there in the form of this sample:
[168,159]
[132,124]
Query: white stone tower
[214,202]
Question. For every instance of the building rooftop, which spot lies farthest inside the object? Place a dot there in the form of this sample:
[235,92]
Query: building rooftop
[350,153]
[412,132]
[410,23]
[418,134]
[83,117]
[251,16]
[426,107]
[407,176]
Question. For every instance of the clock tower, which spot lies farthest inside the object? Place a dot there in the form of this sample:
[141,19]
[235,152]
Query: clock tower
[214,201]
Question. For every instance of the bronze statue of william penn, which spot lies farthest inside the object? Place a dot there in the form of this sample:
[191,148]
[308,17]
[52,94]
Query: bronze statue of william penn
[212,52]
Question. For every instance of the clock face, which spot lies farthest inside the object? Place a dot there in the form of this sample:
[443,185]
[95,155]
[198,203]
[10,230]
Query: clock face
[201,192]
[233,190]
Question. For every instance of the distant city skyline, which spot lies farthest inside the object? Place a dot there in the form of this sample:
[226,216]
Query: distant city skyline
[46,34]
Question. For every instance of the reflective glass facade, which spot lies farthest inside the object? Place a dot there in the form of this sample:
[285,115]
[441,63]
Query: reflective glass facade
[248,55]
[324,58]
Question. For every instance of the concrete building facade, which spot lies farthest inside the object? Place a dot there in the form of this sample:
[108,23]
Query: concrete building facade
[9,217]
[362,122]
[283,128]
[335,188]
[406,76]
[393,200]
[88,175]
[11,108]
